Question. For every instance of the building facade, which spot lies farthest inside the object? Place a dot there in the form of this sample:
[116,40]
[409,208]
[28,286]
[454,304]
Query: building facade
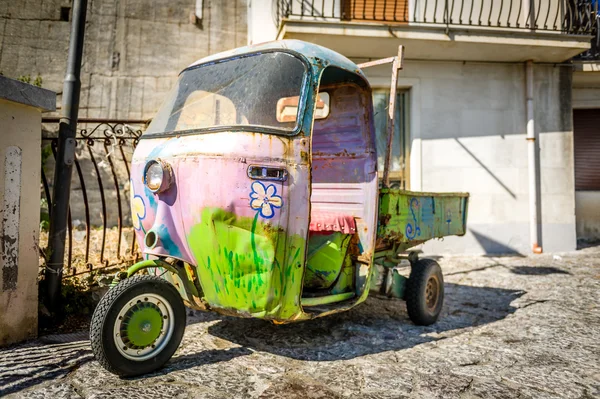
[463,103]
[462,100]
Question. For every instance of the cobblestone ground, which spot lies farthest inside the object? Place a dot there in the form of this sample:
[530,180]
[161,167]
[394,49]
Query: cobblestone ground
[511,327]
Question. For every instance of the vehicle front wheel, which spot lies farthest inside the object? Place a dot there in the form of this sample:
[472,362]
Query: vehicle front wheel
[425,292]
[137,326]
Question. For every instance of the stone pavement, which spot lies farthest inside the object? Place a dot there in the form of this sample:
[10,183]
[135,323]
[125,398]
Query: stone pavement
[511,327]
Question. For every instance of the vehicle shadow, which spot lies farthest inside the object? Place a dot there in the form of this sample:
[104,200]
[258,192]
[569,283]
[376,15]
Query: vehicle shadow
[38,362]
[376,326]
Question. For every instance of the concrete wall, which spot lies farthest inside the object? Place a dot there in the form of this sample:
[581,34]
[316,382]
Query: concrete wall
[262,26]
[586,87]
[468,126]
[134,49]
[19,216]
[21,107]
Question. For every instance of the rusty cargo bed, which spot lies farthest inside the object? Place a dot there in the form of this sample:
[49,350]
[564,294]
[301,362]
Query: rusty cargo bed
[408,218]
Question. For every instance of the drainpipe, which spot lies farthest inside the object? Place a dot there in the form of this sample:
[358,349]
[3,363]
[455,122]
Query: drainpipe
[528,14]
[65,156]
[532,165]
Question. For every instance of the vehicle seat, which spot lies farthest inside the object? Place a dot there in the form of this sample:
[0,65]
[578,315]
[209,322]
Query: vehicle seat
[328,240]
[329,222]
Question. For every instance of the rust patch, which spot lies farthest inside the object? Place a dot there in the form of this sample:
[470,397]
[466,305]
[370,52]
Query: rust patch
[272,231]
[343,153]
[353,247]
[384,219]
[304,156]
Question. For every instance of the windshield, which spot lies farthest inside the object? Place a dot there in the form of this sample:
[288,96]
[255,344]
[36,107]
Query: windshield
[232,93]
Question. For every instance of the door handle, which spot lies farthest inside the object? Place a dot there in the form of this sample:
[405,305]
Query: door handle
[260,172]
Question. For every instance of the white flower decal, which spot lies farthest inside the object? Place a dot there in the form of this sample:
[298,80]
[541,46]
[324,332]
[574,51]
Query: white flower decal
[264,199]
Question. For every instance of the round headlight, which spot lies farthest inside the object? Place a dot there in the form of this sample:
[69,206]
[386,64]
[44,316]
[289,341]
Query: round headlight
[156,176]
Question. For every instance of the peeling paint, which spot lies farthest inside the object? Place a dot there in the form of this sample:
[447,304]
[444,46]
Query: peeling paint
[9,238]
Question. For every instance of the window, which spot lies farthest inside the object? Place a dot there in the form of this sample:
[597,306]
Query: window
[287,108]
[400,143]
[238,92]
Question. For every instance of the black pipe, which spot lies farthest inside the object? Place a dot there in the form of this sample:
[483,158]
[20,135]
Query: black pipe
[65,157]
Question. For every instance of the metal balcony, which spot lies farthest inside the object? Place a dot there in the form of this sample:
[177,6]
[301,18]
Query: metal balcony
[562,28]
[567,16]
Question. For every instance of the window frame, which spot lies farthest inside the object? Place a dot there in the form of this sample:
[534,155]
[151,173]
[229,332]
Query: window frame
[404,132]
[304,93]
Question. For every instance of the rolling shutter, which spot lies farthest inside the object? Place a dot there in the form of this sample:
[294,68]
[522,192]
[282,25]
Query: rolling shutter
[586,131]
[393,11]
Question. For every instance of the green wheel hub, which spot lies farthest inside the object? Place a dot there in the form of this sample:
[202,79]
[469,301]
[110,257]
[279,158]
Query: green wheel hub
[142,325]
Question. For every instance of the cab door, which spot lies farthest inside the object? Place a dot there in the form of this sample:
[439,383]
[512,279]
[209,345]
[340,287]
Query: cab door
[234,189]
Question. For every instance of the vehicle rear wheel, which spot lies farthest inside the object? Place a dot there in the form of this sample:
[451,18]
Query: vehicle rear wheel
[425,292]
[137,326]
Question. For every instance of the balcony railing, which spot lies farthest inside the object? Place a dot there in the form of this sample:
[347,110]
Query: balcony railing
[593,19]
[593,54]
[567,16]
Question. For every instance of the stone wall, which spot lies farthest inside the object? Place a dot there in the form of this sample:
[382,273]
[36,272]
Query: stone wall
[133,50]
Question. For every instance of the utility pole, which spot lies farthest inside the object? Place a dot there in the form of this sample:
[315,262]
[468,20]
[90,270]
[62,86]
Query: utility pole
[65,156]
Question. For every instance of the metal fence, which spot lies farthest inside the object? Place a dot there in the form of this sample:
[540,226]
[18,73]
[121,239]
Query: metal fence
[567,16]
[99,223]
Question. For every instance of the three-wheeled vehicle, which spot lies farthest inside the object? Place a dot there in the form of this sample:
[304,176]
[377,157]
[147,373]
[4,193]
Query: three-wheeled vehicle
[255,193]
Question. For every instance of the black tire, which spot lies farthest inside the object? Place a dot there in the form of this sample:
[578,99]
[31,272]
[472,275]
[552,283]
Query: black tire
[422,303]
[106,315]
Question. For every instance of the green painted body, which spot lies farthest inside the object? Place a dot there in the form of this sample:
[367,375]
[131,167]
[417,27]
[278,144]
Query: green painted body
[410,218]
[234,253]
[243,265]
[398,284]
[325,300]
[325,260]
[345,280]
